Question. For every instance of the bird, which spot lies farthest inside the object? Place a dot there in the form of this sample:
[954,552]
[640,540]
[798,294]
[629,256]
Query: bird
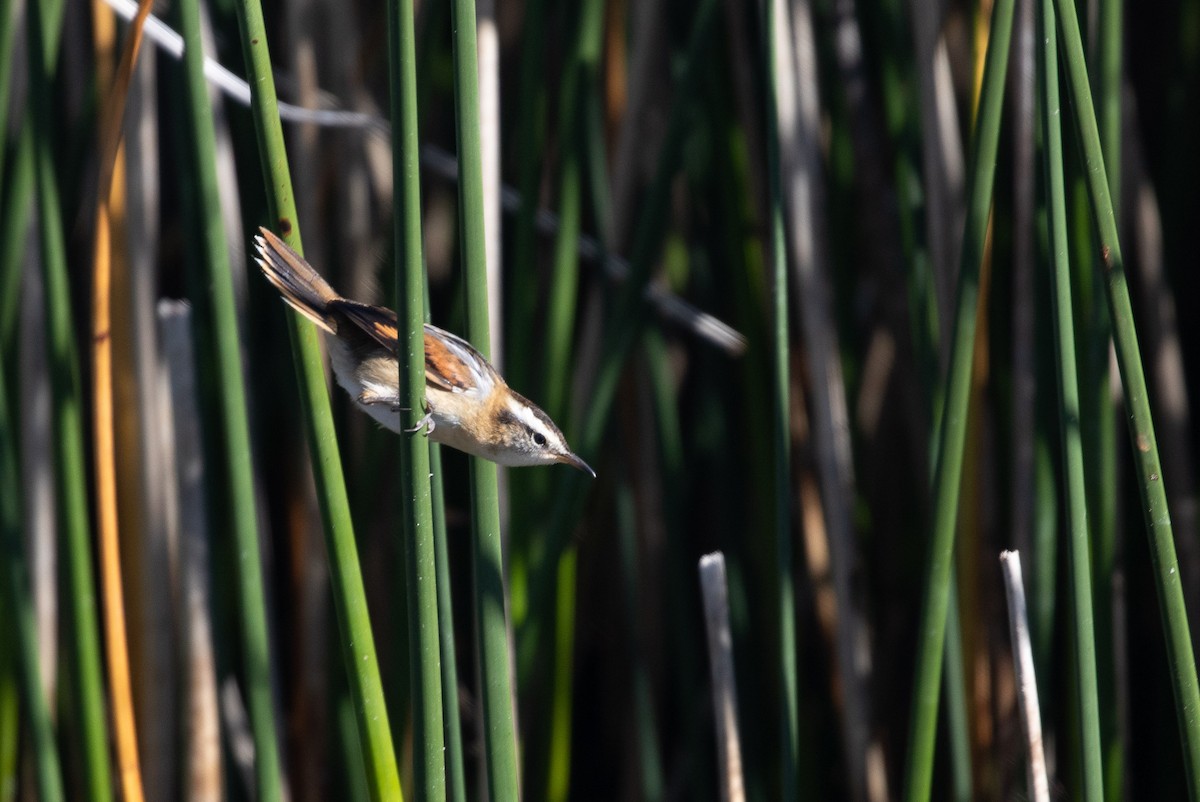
[468,404]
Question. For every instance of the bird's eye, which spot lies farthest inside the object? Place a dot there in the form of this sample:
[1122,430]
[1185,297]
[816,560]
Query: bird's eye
[539,438]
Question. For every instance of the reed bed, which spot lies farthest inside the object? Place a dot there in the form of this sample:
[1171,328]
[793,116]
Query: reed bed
[832,289]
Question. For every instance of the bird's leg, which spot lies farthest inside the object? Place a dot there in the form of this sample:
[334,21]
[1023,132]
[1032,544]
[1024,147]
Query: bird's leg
[427,423]
[369,397]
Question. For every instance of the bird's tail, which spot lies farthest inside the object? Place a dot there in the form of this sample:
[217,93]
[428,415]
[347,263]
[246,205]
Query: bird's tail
[297,281]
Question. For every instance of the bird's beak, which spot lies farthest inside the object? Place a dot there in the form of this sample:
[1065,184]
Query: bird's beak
[576,462]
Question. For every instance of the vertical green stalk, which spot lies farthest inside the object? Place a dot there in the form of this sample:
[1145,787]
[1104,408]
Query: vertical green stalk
[20,623]
[948,474]
[685,638]
[10,708]
[628,315]
[652,785]
[353,786]
[576,88]
[500,735]
[1108,86]
[1097,405]
[83,630]
[781,430]
[209,241]
[455,775]
[558,770]
[1141,425]
[931,264]
[530,134]
[955,683]
[420,562]
[350,603]
[914,193]
[17,203]
[8,35]
[524,291]
[1109,89]
[1078,547]
[1043,574]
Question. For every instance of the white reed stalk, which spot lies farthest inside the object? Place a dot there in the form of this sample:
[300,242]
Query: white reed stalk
[720,656]
[1031,716]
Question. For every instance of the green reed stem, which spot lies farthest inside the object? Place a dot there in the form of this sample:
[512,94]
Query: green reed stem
[1109,89]
[350,603]
[17,202]
[1078,547]
[419,550]
[558,770]
[8,36]
[628,307]
[456,783]
[209,240]
[576,89]
[948,474]
[1141,425]
[1111,23]
[628,316]
[579,73]
[85,674]
[781,429]
[500,735]
[526,489]
[954,682]
[651,780]
[10,707]
[530,136]
[19,617]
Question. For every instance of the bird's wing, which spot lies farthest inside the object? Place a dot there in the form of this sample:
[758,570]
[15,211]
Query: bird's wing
[378,322]
[451,364]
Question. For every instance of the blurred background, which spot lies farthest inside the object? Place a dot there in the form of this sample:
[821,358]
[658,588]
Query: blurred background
[620,137]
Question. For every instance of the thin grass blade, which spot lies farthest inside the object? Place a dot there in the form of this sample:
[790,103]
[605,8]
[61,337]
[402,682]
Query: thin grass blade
[209,241]
[629,306]
[350,603]
[456,784]
[1167,577]
[17,202]
[500,736]
[8,37]
[948,473]
[418,532]
[71,483]
[1109,42]
[776,45]
[19,617]
[105,459]
[1031,718]
[1078,546]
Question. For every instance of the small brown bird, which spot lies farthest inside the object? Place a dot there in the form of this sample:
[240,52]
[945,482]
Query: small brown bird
[468,404]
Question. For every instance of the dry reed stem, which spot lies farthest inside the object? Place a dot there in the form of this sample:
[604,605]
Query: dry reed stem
[201,780]
[488,38]
[1031,717]
[798,102]
[117,652]
[944,172]
[720,655]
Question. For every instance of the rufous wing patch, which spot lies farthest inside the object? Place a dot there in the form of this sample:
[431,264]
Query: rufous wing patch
[456,365]
[444,368]
[451,364]
[376,321]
